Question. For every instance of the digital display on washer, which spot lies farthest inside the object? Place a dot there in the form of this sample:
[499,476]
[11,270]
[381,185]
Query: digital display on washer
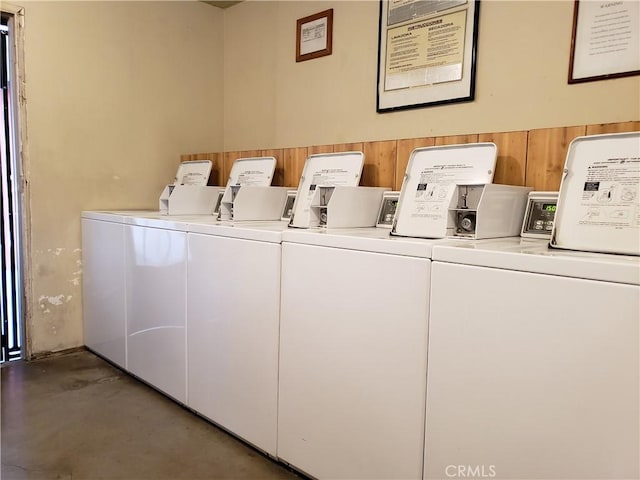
[539,216]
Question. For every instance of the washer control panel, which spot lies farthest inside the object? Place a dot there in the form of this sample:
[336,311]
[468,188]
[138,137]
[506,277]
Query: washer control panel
[387,210]
[288,205]
[539,215]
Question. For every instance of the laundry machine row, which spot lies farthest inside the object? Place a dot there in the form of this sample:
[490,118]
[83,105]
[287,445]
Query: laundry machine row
[339,352]
[217,315]
[360,354]
[191,306]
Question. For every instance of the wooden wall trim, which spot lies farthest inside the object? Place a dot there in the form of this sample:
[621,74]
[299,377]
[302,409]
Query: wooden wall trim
[534,158]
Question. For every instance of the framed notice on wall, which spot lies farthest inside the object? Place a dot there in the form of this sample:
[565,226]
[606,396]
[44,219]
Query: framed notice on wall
[426,53]
[606,40]
[314,36]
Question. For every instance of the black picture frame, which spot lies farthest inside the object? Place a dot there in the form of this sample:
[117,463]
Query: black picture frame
[436,93]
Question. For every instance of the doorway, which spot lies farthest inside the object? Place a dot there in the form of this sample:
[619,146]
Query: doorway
[11,271]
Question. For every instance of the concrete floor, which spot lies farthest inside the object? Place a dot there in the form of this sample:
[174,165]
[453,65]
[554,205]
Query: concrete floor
[77,417]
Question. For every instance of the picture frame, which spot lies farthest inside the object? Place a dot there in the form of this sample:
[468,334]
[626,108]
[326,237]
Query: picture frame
[427,53]
[314,36]
[605,40]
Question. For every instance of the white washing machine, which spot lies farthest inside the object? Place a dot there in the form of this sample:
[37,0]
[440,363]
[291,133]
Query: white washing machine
[533,363]
[233,317]
[103,265]
[169,294]
[103,304]
[353,353]
[155,277]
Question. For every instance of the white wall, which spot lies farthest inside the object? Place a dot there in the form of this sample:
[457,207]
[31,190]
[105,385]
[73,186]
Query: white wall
[521,82]
[116,91]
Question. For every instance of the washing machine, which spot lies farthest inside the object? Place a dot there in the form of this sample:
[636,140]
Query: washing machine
[233,318]
[353,353]
[155,248]
[103,265]
[533,363]
[103,302]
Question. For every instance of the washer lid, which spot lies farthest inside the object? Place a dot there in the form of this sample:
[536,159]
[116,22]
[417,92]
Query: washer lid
[535,256]
[429,183]
[157,220]
[326,169]
[193,172]
[116,216]
[268,231]
[252,171]
[599,202]
[372,239]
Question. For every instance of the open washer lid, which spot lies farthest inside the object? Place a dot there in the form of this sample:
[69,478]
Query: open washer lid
[430,180]
[599,201]
[326,169]
[193,172]
[252,171]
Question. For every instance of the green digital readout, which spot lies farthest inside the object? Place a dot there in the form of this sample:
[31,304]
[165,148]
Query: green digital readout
[549,207]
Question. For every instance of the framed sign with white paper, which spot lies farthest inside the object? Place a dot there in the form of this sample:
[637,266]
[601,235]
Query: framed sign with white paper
[426,53]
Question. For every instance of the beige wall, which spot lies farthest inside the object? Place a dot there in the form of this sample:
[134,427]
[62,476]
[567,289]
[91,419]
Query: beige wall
[115,93]
[521,81]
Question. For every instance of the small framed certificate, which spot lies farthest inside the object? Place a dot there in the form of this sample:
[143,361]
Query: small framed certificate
[314,36]
[606,40]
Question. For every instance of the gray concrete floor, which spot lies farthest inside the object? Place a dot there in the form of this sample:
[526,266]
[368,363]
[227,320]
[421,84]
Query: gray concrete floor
[77,417]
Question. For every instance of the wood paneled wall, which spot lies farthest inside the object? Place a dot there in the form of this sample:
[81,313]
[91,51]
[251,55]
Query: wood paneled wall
[534,158]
